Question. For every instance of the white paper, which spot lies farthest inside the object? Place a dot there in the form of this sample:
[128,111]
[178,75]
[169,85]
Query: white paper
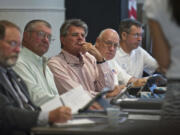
[76,99]
[52,104]
[75,122]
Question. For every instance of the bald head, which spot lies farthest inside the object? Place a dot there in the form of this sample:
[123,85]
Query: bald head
[108,33]
[107,43]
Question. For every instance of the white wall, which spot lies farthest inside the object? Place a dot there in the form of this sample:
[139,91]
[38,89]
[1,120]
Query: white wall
[22,11]
[140,1]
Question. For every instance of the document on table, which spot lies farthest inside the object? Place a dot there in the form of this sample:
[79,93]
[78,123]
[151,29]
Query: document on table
[76,99]
[51,104]
[75,122]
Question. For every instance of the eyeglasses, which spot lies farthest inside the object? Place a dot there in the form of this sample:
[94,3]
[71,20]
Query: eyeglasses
[42,34]
[136,35]
[77,34]
[110,44]
[13,43]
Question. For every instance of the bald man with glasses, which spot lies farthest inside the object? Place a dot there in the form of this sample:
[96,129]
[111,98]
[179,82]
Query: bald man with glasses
[107,44]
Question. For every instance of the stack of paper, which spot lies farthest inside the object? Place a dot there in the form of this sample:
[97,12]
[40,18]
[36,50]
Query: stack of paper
[75,122]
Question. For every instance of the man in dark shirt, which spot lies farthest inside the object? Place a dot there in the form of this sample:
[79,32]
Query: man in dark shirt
[17,112]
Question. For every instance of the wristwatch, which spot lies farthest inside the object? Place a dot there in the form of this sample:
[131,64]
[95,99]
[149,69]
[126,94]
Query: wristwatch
[100,62]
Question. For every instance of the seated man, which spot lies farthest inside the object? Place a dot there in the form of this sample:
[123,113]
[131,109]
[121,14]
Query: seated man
[18,114]
[32,65]
[79,63]
[107,43]
[130,56]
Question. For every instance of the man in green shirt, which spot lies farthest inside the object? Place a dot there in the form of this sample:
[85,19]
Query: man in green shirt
[32,66]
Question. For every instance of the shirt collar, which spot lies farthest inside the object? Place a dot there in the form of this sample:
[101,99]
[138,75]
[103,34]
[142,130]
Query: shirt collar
[69,58]
[123,53]
[31,55]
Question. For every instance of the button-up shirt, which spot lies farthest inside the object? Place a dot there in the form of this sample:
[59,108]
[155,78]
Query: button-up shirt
[135,62]
[37,76]
[71,71]
[120,75]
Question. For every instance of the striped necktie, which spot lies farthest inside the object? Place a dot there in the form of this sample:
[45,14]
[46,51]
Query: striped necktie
[23,100]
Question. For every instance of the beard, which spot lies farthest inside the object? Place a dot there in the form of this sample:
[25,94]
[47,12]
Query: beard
[10,61]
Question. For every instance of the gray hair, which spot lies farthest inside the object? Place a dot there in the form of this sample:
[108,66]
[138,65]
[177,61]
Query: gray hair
[30,25]
[73,22]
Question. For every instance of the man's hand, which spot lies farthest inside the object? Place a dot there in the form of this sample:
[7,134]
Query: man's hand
[140,82]
[61,114]
[95,106]
[88,47]
[115,92]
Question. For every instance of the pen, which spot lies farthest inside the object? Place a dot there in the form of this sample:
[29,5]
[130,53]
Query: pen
[62,101]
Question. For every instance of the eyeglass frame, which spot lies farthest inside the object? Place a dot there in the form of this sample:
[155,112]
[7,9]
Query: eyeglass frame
[13,43]
[42,34]
[75,34]
[136,35]
[110,44]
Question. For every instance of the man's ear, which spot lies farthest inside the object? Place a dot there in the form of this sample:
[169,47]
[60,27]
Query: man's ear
[123,35]
[62,39]
[26,34]
[97,43]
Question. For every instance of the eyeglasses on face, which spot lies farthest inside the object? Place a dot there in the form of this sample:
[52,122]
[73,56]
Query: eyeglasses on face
[13,43]
[110,43]
[42,34]
[76,34]
[136,35]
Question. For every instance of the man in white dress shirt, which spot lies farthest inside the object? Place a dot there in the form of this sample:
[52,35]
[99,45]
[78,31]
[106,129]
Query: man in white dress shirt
[130,55]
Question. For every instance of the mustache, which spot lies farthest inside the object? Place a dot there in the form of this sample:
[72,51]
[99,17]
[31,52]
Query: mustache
[15,55]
